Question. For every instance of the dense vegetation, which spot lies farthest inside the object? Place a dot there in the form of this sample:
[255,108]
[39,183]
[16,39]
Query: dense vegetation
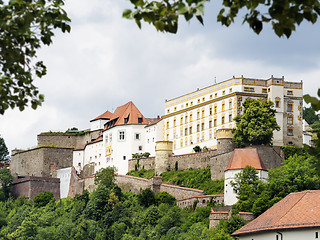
[108,213]
[193,178]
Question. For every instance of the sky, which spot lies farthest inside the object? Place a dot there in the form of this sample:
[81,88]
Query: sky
[107,61]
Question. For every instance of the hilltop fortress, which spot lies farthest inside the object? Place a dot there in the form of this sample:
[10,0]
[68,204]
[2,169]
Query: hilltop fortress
[204,118]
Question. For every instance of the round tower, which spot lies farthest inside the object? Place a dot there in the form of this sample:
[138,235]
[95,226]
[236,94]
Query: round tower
[163,154]
[224,140]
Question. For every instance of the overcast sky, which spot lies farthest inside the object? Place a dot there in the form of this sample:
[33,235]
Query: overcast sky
[107,61]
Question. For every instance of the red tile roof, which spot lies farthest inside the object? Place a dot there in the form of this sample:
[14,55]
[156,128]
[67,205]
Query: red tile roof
[107,115]
[297,210]
[243,157]
[127,111]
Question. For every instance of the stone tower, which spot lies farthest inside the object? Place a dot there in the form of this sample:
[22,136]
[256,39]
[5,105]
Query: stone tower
[224,140]
[163,153]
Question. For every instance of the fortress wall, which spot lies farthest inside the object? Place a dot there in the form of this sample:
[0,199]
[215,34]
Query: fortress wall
[271,156]
[144,163]
[66,140]
[30,186]
[40,161]
[133,184]
[202,200]
[180,192]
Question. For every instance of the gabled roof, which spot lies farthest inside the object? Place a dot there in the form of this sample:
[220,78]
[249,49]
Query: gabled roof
[297,210]
[107,115]
[243,157]
[127,111]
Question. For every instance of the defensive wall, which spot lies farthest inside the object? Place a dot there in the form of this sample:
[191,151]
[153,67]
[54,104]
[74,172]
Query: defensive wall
[30,186]
[201,201]
[133,184]
[73,140]
[40,161]
[218,213]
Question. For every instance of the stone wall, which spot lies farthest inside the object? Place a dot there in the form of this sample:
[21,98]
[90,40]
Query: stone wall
[142,163]
[219,164]
[201,200]
[41,161]
[66,140]
[180,192]
[30,186]
[133,184]
[272,156]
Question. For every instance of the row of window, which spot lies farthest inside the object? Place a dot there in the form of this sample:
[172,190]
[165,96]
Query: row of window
[121,137]
[190,117]
[199,100]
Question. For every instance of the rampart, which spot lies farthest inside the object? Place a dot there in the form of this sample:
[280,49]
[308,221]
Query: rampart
[41,161]
[30,186]
[66,139]
[201,201]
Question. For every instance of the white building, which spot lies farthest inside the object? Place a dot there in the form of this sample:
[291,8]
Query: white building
[193,119]
[124,132]
[239,160]
[295,217]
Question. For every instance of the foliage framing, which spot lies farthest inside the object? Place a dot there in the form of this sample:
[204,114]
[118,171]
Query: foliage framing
[256,124]
[284,16]
[24,27]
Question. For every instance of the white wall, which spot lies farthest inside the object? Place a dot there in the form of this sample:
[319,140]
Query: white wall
[98,124]
[302,234]
[64,174]
[153,133]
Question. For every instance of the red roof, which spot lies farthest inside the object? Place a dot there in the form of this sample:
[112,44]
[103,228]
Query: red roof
[126,114]
[107,115]
[297,210]
[243,157]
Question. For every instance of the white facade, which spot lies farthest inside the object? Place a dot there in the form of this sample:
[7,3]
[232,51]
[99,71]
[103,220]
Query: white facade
[153,134]
[120,142]
[64,174]
[97,124]
[194,118]
[91,153]
[230,195]
[291,234]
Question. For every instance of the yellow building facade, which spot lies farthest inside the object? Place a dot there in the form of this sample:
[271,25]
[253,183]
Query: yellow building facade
[193,119]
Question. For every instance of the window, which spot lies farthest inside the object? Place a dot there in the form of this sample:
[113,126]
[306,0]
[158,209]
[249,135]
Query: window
[187,104]
[317,234]
[203,113]
[186,119]
[198,115]
[168,125]
[139,120]
[289,92]
[137,136]
[230,90]
[190,130]
[124,157]
[121,135]
[110,137]
[230,117]
[174,122]
[230,104]
[222,106]
[140,148]
[215,122]
[210,124]
[222,120]
[264,90]
[191,104]
[210,111]
[186,141]
[190,117]
[186,131]
[198,100]
[210,96]
[126,120]
[106,138]
[223,92]
[198,128]
[167,136]
[202,126]
[277,103]
[216,95]
[175,108]
[248,89]
[268,89]
[215,109]
[181,120]
[203,99]
[289,107]
[290,120]
[168,110]
[290,132]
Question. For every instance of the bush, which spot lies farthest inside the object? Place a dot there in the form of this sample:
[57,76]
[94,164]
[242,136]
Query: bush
[43,198]
[146,198]
[164,197]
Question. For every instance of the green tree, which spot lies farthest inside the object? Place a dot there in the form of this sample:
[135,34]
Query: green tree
[256,124]
[284,16]
[43,198]
[6,179]
[4,153]
[197,149]
[105,176]
[146,198]
[310,115]
[25,27]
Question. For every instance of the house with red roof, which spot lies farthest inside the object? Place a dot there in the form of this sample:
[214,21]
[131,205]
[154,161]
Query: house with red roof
[240,158]
[296,217]
[123,134]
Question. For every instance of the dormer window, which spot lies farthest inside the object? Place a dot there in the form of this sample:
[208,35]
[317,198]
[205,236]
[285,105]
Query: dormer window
[126,120]
[140,120]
